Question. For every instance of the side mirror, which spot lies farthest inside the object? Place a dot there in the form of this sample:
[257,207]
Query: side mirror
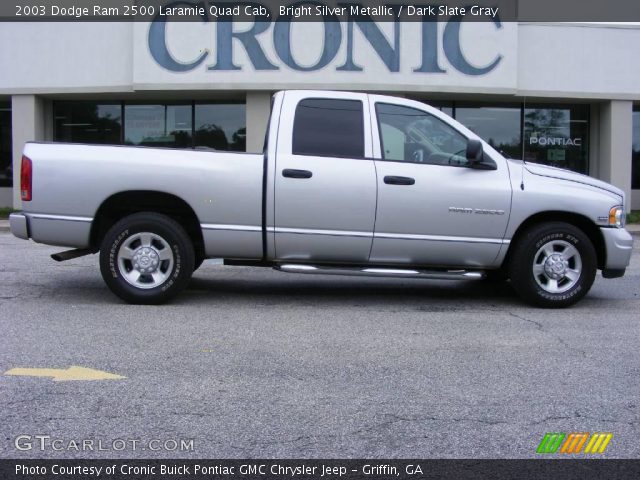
[474,151]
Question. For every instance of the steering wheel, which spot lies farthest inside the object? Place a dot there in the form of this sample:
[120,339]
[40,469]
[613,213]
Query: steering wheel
[453,155]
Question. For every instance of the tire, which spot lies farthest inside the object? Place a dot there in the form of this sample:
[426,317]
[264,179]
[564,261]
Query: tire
[146,258]
[199,259]
[553,265]
[496,276]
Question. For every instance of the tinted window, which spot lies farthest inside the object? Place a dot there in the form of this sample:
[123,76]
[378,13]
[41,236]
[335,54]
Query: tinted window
[221,126]
[557,135]
[329,128]
[216,125]
[6,173]
[411,135]
[87,122]
[635,165]
[158,125]
[498,125]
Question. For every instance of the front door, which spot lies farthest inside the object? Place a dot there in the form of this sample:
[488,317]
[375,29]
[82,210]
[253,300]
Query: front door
[325,179]
[432,208]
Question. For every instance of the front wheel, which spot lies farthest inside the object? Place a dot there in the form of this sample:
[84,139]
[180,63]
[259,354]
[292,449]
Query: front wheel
[146,258]
[553,265]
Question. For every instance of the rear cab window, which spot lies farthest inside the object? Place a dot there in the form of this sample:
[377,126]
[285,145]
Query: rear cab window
[326,127]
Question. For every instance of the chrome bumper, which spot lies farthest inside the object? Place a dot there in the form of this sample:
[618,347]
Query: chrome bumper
[18,225]
[618,246]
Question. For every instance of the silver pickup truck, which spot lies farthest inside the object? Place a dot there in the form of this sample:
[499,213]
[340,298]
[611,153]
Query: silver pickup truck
[348,184]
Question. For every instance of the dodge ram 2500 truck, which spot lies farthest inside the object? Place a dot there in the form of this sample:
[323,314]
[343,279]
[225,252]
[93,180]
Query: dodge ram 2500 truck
[348,184]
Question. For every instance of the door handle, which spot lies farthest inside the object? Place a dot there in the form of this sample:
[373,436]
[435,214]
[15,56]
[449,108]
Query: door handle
[293,173]
[394,180]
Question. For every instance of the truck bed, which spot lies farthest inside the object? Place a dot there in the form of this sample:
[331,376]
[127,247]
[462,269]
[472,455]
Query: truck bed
[71,182]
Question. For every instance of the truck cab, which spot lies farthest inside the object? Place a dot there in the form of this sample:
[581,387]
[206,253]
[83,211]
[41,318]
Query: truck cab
[364,178]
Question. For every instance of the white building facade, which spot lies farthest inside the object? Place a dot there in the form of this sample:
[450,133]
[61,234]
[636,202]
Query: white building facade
[566,95]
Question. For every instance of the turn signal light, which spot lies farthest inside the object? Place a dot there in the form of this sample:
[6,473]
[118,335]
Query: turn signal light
[26,177]
[617,217]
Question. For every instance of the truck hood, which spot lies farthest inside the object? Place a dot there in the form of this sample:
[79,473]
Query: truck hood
[562,174]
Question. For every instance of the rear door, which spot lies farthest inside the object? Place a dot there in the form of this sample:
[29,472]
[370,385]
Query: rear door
[325,178]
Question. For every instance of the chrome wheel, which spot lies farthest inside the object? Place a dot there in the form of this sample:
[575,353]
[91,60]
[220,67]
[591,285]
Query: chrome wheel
[557,266]
[145,260]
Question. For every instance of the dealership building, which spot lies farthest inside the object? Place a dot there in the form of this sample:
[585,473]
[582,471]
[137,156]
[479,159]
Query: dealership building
[566,95]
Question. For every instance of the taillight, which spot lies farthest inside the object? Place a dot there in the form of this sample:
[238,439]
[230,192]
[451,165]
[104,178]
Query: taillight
[26,174]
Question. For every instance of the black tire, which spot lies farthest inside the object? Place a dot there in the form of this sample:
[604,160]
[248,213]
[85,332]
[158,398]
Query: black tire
[538,285]
[174,273]
[499,275]
[199,259]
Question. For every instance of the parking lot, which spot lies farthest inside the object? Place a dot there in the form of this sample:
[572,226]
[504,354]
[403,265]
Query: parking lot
[250,362]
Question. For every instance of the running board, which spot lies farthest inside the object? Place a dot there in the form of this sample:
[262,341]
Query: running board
[382,272]
[71,254]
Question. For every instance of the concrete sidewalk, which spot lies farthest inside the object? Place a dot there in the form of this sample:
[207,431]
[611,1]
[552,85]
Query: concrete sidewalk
[632,228]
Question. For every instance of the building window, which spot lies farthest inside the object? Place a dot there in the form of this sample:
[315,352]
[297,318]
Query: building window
[557,135]
[87,122]
[158,125]
[635,158]
[221,126]
[215,125]
[444,107]
[6,173]
[499,126]
[329,128]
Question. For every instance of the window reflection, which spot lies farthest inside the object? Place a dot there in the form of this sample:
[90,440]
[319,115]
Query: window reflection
[328,128]
[217,125]
[87,122]
[557,136]
[158,125]
[553,134]
[444,107]
[6,172]
[411,135]
[220,126]
[498,126]
[635,159]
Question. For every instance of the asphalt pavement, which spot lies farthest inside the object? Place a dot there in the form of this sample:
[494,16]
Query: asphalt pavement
[251,362]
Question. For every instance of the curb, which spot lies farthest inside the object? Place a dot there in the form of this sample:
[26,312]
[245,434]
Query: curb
[4,226]
[633,229]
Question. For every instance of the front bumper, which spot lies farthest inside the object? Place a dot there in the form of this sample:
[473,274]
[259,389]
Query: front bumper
[19,226]
[618,245]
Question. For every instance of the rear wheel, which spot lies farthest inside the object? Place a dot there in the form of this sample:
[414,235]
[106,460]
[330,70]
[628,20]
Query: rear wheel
[553,265]
[146,258]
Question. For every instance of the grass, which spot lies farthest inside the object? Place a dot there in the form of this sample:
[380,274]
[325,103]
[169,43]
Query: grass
[5,211]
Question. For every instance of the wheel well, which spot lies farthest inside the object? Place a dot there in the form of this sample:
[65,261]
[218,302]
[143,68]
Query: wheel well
[123,204]
[579,221]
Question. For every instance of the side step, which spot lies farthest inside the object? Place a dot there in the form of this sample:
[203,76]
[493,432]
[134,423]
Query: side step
[382,272]
[71,254]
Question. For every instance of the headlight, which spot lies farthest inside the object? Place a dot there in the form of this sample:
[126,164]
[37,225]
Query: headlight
[617,217]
